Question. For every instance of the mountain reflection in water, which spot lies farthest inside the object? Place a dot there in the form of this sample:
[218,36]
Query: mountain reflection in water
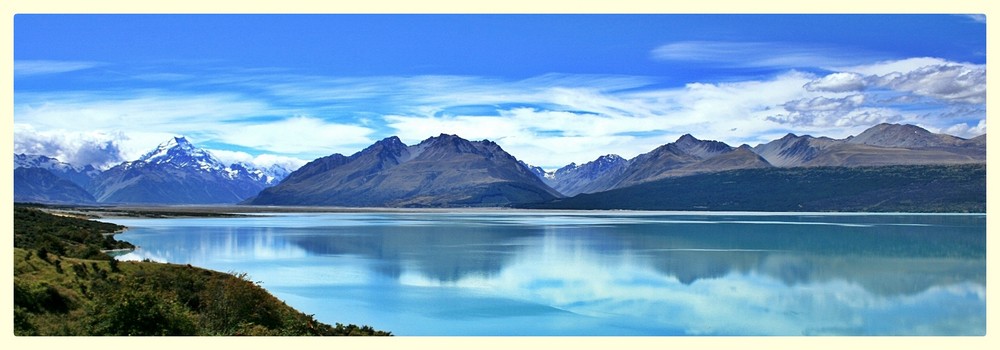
[642,273]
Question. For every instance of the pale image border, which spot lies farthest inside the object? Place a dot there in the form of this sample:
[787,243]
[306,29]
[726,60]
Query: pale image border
[10,8]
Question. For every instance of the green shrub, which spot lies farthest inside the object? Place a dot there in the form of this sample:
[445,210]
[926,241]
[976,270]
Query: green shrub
[140,312]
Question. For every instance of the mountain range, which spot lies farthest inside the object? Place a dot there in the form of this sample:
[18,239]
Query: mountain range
[449,171]
[176,172]
[881,145]
[441,171]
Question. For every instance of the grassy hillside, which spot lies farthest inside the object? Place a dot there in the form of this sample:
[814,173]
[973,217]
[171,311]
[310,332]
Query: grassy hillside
[73,293]
[914,188]
[65,236]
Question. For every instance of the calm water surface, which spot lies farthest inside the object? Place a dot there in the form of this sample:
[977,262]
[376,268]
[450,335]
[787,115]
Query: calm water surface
[603,273]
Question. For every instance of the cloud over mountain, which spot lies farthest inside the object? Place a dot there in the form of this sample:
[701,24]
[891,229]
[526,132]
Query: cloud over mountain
[77,148]
[643,81]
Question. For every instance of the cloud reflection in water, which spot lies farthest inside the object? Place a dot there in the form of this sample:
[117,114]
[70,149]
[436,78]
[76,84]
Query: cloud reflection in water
[641,274]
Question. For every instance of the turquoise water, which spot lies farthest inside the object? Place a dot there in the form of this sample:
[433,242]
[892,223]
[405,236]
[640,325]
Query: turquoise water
[601,273]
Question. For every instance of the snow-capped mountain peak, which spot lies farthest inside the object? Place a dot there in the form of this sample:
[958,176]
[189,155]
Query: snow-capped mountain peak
[179,172]
[179,152]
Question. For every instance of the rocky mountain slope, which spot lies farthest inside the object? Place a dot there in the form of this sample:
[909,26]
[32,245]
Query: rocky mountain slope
[442,171]
[177,172]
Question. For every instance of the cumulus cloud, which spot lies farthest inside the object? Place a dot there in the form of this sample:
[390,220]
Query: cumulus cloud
[837,82]
[843,112]
[947,81]
[270,160]
[77,148]
[854,119]
[951,82]
[260,161]
[966,130]
[151,116]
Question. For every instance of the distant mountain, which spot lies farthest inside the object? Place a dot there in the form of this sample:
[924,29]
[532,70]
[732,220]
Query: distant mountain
[741,157]
[574,179]
[442,171]
[792,150]
[904,136]
[537,170]
[883,144]
[40,185]
[177,172]
[895,188]
[80,176]
[686,156]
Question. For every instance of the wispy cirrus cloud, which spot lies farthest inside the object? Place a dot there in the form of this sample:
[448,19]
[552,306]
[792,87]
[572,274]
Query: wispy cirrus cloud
[296,134]
[978,18]
[40,67]
[548,120]
[759,54]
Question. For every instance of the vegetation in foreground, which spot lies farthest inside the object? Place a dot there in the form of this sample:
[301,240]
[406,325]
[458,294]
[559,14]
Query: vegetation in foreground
[62,288]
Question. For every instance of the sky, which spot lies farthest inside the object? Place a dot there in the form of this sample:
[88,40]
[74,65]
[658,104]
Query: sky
[549,89]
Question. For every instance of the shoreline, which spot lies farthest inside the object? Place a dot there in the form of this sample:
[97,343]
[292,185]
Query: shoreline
[236,211]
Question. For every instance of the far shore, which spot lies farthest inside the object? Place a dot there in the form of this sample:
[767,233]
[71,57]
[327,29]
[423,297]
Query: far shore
[233,210]
[229,210]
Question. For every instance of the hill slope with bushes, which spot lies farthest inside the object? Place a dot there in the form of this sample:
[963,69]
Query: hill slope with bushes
[62,288]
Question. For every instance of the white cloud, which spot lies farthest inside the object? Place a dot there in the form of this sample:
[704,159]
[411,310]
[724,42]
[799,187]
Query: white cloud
[39,67]
[944,80]
[757,54]
[951,83]
[148,117]
[101,150]
[548,120]
[269,160]
[978,18]
[837,82]
[823,112]
[142,110]
[577,124]
[892,66]
[260,161]
[825,104]
[965,130]
[299,134]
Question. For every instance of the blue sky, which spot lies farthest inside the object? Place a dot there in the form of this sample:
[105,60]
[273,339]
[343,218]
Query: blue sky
[550,89]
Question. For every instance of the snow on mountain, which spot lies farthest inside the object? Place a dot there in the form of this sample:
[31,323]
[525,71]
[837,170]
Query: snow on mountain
[177,171]
[80,176]
[48,163]
[537,170]
[574,179]
[180,153]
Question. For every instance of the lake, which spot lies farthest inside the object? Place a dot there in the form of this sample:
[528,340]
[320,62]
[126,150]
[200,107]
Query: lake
[507,272]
